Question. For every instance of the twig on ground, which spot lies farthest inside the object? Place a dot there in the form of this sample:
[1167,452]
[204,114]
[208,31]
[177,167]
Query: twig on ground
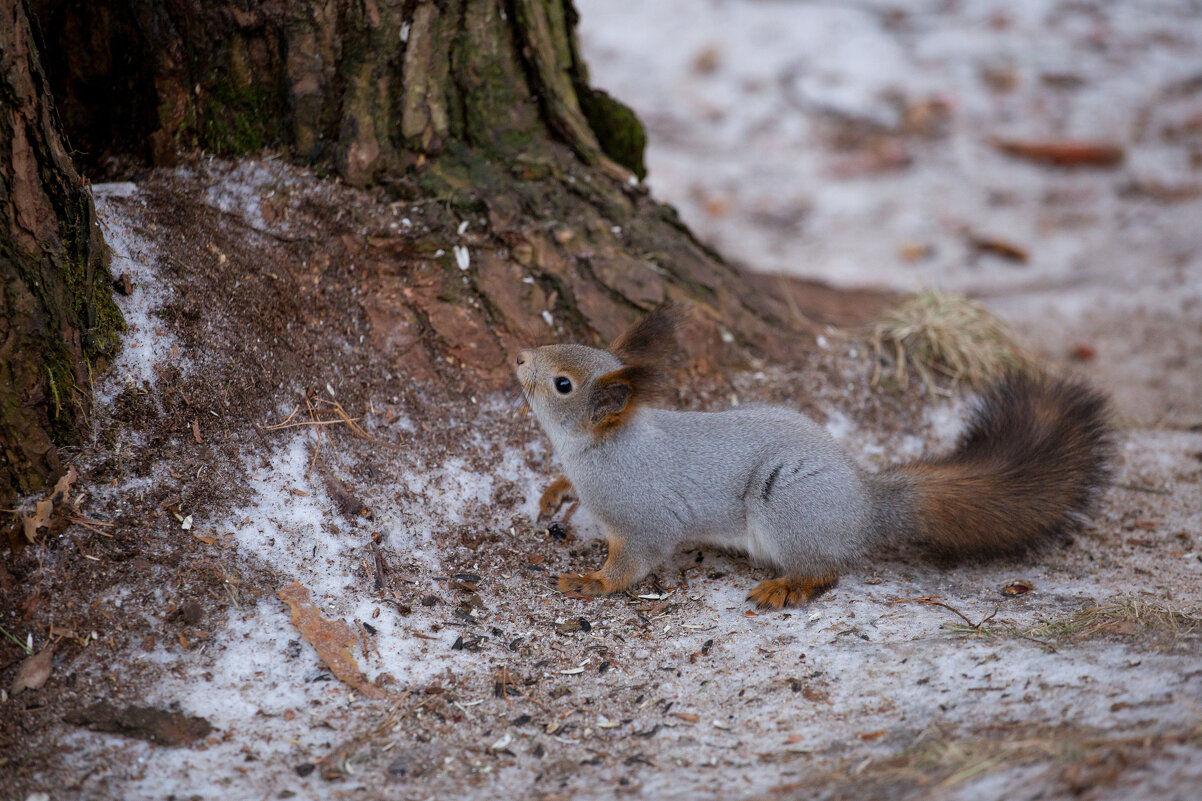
[932,600]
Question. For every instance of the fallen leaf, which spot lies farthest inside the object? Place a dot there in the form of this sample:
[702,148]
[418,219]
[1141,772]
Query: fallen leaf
[196,431]
[33,671]
[817,696]
[1000,247]
[332,639]
[881,156]
[707,60]
[348,504]
[63,486]
[869,736]
[912,251]
[1017,588]
[39,519]
[1083,353]
[1063,153]
[688,717]
[568,627]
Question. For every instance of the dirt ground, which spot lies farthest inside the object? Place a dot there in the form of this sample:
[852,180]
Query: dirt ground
[1072,673]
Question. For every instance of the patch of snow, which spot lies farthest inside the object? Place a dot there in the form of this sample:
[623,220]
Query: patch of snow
[146,343]
[239,188]
[839,425]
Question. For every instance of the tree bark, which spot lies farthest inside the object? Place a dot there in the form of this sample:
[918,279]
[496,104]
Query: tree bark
[58,323]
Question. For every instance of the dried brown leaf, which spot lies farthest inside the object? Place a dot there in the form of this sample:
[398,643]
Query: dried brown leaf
[34,671]
[333,639]
[1001,247]
[39,519]
[1063,153]
[63,486]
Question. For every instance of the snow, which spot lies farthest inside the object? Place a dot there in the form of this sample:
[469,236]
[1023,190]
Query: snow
[147,342]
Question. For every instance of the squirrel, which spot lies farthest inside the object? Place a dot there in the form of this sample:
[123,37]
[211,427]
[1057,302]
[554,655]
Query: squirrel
[770,481]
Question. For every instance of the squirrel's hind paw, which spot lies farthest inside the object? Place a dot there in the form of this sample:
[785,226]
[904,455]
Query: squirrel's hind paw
[590,585]
[790,590]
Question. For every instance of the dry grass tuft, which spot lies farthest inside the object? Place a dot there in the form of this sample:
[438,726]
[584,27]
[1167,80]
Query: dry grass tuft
[947,336]
[1064,759]
[1124,617]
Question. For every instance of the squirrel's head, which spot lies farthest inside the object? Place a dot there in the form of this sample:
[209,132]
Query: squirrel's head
[578,392]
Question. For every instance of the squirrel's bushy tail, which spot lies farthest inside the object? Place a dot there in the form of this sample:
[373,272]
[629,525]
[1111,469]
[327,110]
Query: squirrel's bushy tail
[1035,456]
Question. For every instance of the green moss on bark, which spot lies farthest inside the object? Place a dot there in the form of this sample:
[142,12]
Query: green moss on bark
[618,131]
[239,119]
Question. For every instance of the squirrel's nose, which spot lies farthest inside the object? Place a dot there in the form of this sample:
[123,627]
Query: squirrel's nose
[523,357]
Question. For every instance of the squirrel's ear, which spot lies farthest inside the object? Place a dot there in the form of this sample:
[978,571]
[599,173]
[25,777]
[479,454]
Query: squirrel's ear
[608,400]
[616,394]
[652,338]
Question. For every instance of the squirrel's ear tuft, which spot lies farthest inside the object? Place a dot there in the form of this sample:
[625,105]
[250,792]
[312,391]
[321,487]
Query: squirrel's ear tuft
[652,338]
[616,394]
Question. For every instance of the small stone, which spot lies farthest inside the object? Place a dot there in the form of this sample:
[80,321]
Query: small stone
[305,768]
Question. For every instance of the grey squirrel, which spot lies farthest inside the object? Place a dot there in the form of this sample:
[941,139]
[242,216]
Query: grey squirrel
[773,483]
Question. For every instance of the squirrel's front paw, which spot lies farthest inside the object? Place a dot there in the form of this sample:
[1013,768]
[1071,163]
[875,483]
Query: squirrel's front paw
[591,585]
[553,497]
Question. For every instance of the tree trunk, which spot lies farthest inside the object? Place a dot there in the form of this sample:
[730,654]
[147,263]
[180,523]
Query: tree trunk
[483,104]
[480,105]
[58,323]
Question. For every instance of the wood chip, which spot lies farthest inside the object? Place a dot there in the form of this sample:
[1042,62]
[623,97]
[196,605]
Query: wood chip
[158,726]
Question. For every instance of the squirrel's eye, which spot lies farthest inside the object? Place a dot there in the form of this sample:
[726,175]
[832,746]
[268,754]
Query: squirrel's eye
[563,385]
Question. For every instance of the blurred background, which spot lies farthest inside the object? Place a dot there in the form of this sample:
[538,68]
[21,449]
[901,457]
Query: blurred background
[1043,156]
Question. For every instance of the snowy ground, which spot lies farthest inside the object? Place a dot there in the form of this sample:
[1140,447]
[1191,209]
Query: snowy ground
[779,140]
[853,142]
